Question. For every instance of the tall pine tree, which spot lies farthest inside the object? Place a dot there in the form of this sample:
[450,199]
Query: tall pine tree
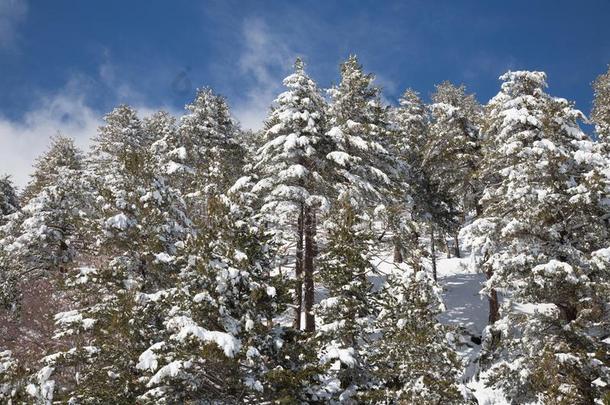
[292,180]
[540,226]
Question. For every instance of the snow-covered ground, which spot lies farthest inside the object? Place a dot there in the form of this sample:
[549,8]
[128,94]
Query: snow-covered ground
[467,310]
[461,286]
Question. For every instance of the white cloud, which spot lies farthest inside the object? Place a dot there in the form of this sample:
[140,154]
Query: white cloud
[265,59]
[21,141]
[110,77]
[12,13]
[386,85]
[66,111]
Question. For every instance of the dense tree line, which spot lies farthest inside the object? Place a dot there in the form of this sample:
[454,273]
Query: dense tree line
[184,260]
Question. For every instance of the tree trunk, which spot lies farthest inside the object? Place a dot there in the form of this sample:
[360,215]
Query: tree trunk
[494,304]
[433,252]
[456,246]
[494,315]
[309,228]
[315,233]
[397,252]
[494,307]
[298,270]
[447,248]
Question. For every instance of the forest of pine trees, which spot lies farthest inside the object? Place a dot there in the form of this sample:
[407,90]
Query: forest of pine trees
[184,260]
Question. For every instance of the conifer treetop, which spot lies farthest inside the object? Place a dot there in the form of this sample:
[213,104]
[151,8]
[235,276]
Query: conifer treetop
[600,114]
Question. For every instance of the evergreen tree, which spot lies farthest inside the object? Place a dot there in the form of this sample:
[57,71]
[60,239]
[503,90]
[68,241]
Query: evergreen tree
[9,202]
[292,180]
[451,156]
[139,228]
[359,129]
[600,115]
[43,236]
[413,360]
[410,126]
[410,120]
[346,315]
[541,223]
[205,150]
[62,153]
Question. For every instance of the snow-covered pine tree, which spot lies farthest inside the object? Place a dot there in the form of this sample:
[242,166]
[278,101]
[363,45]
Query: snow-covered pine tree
[410,120]
[413,359]
[63,152]
[9,202]
[540,226]
[167,147]
[204,147]
[347,314]
[451,156]
[39,243]
[42,237]
[292,179]
[409,131]
[359,129]
[600,115]
[140,225]
[220,342]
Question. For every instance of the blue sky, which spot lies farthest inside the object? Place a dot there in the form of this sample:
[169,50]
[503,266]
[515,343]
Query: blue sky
[63,64]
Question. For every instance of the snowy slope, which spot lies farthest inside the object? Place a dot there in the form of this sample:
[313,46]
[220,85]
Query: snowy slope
[465,306]
[467,310]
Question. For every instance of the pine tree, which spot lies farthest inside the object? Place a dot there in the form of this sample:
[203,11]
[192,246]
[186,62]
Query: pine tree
[409,127]
[62,153]
[541,223]
[43,236]
[205,150]
[410,119]
[413,360]
[292,178]
[9,202]
[220,343]
[359,129]
[346,315]
[139,228]
[600,114]
[451,156]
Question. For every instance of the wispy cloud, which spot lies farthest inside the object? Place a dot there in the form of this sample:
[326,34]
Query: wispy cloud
[265,59]
[69,111]
[12,13]
[22,141]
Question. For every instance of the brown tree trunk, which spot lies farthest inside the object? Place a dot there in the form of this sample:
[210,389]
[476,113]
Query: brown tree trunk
[433,252]
[494,307]
[315,233]
[494,315]
[494,304]
[397,252]
[456,246]
[309,228]
[298,271]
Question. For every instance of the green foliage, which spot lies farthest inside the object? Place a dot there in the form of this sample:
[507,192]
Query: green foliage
[413,360]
